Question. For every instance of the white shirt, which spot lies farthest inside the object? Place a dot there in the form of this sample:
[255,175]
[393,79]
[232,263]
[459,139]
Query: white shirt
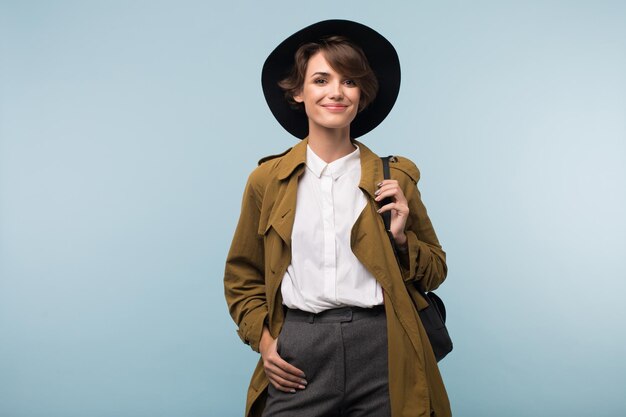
[324,273]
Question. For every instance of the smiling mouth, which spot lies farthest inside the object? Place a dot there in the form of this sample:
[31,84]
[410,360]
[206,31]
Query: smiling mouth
[335,108]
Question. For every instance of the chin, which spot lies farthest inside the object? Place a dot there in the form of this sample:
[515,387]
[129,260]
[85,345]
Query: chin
[336,126]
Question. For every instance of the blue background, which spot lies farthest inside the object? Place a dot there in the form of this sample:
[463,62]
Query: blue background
[127,130]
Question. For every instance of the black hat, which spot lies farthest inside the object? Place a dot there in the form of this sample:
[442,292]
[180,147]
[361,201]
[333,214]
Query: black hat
[380,54]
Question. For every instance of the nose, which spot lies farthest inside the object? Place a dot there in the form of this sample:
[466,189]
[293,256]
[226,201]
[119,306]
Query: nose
[337,90]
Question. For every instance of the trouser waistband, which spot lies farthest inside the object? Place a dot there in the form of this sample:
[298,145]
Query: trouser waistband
[334,315]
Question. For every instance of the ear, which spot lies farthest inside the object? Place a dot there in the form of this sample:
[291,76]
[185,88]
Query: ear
[298,97]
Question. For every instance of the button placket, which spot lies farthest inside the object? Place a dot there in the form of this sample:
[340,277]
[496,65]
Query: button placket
[328,217]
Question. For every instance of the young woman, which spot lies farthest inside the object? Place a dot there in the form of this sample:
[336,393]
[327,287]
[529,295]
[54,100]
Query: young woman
[311,278]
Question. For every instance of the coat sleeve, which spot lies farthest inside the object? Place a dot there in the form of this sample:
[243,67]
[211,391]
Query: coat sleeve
[244,279]
[425,261]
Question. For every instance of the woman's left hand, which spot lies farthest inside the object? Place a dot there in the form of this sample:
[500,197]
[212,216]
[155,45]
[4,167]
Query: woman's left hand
[399,208]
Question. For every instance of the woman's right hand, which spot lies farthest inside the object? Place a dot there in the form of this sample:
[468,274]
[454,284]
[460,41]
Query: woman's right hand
[284,376]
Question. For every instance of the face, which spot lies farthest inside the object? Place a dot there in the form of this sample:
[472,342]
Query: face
[330,100]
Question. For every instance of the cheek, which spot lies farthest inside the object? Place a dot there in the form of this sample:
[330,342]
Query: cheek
[356,98]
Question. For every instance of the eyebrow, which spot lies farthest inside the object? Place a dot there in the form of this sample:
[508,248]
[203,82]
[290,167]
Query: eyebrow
[320,73]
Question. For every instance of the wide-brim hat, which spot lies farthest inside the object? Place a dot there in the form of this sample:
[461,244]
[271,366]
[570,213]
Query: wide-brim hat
[380,53]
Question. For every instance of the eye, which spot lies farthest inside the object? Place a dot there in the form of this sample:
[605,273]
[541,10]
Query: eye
[319,81]
[350,83]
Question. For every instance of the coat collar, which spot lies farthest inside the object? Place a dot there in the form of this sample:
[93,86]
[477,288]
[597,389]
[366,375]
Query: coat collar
[371,167]
[293,159]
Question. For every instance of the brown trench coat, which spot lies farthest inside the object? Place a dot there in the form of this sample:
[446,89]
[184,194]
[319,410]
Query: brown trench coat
[261,252]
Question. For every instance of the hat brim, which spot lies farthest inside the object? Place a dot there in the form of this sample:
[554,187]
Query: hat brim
[380,54]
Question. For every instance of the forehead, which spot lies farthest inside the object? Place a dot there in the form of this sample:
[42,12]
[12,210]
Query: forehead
[318,63]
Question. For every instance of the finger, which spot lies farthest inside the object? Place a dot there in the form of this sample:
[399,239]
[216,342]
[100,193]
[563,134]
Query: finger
[386,182]
[292,380]
[386,186]
[286,384]
[282,388]
[285,370]
[289,369]
[401,209]
[284,379]
[395,192]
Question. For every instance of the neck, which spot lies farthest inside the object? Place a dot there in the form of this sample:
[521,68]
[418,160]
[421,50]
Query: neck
[330,144]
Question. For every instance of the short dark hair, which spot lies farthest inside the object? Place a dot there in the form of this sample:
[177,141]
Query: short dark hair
[343,56]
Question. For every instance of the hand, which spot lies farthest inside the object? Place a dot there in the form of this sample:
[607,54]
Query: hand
[284,376]
[399,208]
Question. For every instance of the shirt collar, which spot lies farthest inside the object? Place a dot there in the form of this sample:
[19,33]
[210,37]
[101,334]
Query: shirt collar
[336,168]
[371,167]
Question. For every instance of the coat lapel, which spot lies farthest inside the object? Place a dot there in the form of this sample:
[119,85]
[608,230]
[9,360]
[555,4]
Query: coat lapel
[371,170]
[283,215]
[368,238]
[289,169]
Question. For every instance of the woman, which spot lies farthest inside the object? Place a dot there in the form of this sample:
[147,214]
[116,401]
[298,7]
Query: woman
[311,278]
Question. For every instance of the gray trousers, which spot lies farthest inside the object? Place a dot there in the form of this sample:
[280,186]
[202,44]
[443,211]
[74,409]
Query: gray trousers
[343,353]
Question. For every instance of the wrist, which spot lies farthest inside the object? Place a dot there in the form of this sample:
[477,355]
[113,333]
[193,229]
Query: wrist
[401,240]
[265,335]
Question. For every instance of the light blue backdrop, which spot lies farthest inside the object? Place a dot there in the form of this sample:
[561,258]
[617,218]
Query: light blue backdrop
[127,130]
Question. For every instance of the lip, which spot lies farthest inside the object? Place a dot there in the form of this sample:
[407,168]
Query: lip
[335,107]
